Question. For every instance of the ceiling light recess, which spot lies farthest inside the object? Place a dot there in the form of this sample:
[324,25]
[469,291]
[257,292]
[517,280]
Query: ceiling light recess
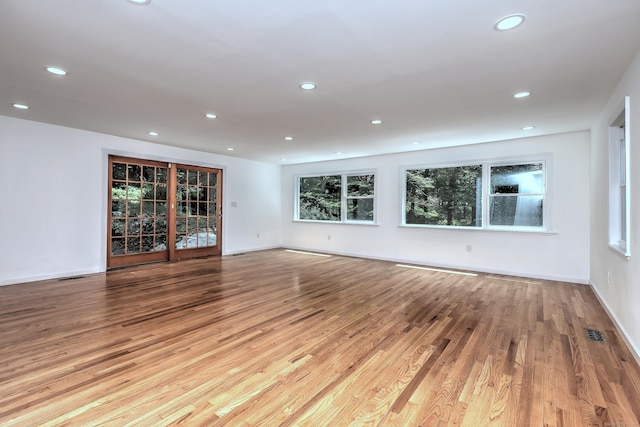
[21,106]
[528,127]
[153,133]
[522,94]
[307,85]
[376,122]
[140,1]
[210,116]
[56,70]
[288,138]
[509,22]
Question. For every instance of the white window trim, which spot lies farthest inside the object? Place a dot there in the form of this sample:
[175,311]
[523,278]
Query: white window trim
[343,197]
[620,171]
[547,161]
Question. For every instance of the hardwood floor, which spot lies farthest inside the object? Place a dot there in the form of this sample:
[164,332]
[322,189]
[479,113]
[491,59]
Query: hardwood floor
[285,338]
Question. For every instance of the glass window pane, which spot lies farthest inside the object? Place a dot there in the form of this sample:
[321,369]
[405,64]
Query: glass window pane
[181,208]
[149,173]
[513,179]
[181,225]
[161,192]
[181,176]
[193,193]
[133,227]
[192,177]
[133,208]
[161,208]
[202,209]
[148,191]
[161,175]
[117,246]
[360,185]
[181,192]
[148,208]
[203,178]
[119,171]
[118,208]
[161,243]
[320,198]
[133,172]
[202,193]
[449,196]
[192,225]
[360,209]
[133,245]
[133,191]
[193,209]
[118,227]
[213,179]
[147,244]
[525,211]
[213,195]
[212,209]
[202,225]
[161,226]
[119,190]
[148,226]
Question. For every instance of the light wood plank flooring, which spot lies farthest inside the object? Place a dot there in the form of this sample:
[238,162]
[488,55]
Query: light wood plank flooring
[282,338]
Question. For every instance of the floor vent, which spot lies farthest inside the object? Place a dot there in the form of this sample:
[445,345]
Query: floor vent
[595,335]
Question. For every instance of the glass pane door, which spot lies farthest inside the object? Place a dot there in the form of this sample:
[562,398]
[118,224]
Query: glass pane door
[197,212]
[138,215]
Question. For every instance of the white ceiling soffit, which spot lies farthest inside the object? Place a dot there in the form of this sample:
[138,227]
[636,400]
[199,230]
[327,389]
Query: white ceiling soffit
[436,72]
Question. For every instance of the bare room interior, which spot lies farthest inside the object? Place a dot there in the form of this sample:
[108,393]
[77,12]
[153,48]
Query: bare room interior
[319,214]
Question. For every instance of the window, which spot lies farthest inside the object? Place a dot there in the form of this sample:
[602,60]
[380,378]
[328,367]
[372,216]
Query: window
[619,191]
[444,196]
[517,195]
[506,195]
[337,198]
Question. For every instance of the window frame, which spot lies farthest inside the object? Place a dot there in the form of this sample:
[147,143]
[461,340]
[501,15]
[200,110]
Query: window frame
[619,180]
[344,197]
[485,195]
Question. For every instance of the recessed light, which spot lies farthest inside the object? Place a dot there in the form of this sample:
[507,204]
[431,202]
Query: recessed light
[56,70]
[338,152]
[21,106]
[528,127]
[230,149]
[307,85]
[288,138]
[140,1]
[509,22]
[210,116]
[523,94]
[376,122]
[152,133]
[416,142]
[283,159]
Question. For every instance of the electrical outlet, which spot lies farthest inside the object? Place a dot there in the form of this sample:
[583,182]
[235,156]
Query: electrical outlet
[468,248]
[257,235]
[328,236]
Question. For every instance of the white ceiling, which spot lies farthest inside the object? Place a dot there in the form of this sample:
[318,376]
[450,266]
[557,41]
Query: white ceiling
[434,71]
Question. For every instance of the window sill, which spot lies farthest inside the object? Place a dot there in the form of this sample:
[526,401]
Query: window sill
[312,221]
[485,229]
[618,250]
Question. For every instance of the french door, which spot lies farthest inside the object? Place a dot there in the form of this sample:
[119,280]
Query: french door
[161,211]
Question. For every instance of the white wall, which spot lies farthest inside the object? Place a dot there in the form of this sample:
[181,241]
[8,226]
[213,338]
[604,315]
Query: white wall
[53,192]
[562,255]
[621,293]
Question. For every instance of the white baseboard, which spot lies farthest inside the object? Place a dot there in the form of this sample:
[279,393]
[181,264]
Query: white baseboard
[635,352]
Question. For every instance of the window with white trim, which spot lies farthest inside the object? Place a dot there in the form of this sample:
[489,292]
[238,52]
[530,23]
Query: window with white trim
[619,190]
[348,197]
[507,195]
